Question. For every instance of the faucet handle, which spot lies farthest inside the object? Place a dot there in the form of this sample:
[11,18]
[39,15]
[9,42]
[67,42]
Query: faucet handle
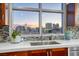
[50,37]
[53,37]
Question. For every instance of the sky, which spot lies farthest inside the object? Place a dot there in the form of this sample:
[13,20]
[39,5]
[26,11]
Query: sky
[32,18]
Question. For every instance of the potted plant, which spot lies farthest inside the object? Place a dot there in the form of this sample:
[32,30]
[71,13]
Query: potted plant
[16,36]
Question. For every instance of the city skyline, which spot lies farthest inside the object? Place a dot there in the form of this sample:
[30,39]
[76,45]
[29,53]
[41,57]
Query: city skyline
[48,29]
[15,25]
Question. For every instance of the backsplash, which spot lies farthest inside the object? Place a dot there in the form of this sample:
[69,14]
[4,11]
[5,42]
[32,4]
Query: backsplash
[75,32]
[4,33]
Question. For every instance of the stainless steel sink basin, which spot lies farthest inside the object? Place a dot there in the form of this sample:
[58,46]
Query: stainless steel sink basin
[43,43]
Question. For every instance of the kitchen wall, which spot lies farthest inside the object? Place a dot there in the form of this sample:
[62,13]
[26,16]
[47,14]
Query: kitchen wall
[77,14]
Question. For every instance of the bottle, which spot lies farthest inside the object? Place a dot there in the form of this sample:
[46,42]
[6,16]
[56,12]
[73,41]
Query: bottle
[68,34]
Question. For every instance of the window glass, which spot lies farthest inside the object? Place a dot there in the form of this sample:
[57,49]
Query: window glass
[51,22]
[29,5]
[25,22]
[53,6]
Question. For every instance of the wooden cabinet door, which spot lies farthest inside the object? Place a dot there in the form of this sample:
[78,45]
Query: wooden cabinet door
[26,53]
[70,14]
[3,54]
[59,52]
[38,53]
[20,53]
[2,14]
[48,52]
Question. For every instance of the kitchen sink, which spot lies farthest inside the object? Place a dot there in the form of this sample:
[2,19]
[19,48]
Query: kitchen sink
[43,43]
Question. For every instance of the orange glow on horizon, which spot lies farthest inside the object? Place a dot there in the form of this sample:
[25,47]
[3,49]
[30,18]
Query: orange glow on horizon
[32,25]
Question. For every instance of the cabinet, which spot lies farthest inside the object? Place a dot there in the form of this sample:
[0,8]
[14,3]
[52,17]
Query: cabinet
[2,14]
[50,52]
[38,53]
[70,14]
[74,51]
[20,53]
[26,53]
[43,52]
[59,52]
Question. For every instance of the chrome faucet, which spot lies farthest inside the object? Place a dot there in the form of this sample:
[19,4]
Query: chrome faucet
[54,38]
[41,38]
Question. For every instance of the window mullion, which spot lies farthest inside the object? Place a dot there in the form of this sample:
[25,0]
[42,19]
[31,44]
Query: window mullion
[40,18]
[10,18]
[64,17]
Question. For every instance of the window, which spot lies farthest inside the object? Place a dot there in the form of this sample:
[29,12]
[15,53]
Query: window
[51,22]
[53,6]
[25,22]
[25,5]
[38,18]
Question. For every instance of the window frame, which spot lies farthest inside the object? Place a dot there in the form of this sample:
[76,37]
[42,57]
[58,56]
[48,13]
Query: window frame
[39,10]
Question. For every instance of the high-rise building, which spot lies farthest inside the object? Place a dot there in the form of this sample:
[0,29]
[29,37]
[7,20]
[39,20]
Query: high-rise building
[55,26]
[20,29]
[49,26]
[28,30]
[25,26]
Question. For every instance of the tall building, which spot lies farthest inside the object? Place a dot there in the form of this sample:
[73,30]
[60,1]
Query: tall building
[20,29]
[28,30]
[55,26]
[25,26]
[49,26]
